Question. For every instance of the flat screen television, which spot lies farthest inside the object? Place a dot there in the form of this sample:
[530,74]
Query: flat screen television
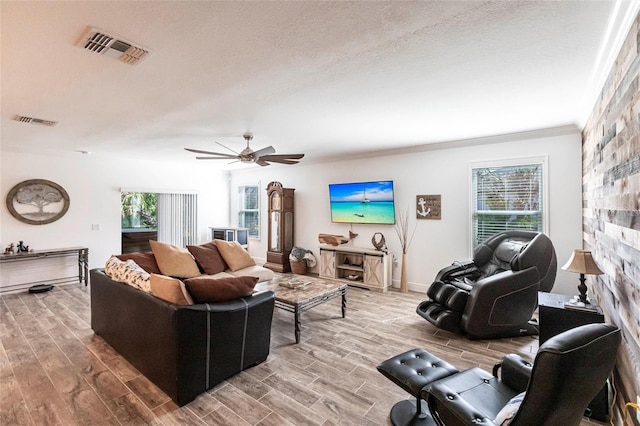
[362,202]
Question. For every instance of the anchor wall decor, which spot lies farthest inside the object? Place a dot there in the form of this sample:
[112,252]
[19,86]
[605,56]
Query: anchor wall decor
[429,207]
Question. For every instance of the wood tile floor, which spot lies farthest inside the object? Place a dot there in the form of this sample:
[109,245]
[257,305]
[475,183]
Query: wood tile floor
[55,371]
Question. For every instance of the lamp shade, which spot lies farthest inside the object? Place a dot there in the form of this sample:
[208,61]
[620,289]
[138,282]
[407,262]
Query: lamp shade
[582,262]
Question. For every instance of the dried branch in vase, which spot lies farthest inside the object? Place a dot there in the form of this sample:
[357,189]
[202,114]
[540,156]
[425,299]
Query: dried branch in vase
[402,229]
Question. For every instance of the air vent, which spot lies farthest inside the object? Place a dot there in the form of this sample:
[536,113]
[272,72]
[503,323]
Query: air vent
[31,120]
[98,41]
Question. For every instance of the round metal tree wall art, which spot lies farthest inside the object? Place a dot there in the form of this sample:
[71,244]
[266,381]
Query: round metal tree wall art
[37,201]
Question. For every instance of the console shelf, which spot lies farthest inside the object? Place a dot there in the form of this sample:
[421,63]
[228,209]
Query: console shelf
[356,266]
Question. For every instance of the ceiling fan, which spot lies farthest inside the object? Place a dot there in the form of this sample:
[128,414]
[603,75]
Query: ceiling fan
[262,156]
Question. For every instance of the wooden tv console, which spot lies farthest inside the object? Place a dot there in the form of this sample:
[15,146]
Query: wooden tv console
[360,267]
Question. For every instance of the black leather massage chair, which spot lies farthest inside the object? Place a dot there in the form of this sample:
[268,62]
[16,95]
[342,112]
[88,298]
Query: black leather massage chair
[495,293]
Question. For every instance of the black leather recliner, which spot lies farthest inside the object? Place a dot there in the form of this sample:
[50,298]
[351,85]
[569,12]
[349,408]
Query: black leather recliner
[494,294]
[568,371]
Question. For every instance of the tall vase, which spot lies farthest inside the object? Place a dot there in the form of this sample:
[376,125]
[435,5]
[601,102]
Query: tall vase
[403,275]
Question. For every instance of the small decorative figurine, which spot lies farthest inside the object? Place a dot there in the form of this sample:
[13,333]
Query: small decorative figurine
[379,242]
[10,249]
[334,240]
[22,247]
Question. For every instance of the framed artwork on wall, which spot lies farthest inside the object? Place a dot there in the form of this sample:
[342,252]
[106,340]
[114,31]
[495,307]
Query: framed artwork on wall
[429,207]
[37,201]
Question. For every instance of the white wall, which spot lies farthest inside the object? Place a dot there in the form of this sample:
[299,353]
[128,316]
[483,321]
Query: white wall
[444,171]
[93,184]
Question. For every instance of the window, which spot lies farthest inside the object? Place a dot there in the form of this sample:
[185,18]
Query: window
[507,196]
[139,210]
[249,209]
[172,215]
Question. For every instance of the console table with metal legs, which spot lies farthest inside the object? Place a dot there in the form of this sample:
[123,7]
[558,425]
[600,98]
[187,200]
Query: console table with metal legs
[82,254]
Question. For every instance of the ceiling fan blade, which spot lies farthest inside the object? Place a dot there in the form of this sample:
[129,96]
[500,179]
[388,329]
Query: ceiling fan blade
[264,151]
[261,162]
[199,151]
[237,153]
[282,157]
[215,158]
[281,161]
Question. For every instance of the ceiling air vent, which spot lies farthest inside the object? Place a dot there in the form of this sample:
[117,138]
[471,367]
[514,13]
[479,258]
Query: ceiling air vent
[31,120]
[98,41]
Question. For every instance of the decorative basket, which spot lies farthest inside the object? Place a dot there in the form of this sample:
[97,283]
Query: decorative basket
[298,266]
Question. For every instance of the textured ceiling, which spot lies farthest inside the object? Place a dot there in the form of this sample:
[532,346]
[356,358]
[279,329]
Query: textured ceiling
[322,78]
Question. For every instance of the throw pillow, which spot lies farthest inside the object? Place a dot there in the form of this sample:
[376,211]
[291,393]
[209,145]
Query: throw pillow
[174,261]
[509,411]
[208,258]
[111,268]
[205,289]
[234,255]
[170,289]
[145,260]
[127,272]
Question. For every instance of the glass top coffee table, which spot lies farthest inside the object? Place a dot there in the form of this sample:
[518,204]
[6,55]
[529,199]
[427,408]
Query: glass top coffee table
[303,293]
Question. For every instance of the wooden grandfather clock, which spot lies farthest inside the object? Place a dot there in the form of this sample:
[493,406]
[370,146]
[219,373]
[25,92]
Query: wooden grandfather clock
[280,220]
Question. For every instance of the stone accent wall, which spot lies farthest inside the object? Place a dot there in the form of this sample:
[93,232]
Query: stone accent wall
[611,208]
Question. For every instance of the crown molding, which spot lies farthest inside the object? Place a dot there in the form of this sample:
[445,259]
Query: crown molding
[485,140]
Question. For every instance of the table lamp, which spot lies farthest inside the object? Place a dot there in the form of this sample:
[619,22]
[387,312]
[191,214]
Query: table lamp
[582,263]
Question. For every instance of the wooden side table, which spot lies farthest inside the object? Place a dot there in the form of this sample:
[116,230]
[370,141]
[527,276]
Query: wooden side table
[554,318]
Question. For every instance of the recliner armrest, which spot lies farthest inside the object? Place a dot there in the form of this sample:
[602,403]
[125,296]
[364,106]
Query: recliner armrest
[516,372]
[456,269]
[445,402]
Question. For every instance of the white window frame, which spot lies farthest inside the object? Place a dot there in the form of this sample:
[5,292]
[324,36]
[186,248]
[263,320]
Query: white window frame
[242,209]
[543,161]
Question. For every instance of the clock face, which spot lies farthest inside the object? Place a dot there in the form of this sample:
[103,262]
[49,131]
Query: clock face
[276,202]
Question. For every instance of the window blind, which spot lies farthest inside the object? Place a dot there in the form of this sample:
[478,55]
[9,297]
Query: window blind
[506,198]
[249,211]
[177,219]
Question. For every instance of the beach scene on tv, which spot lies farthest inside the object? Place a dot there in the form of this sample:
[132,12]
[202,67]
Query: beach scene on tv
[362,202]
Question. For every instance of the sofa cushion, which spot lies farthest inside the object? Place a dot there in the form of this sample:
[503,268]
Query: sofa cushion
[234,255]
[127,272]
[261,272]
[170,289]
[208,258]
[146,261]
[205,289]
[174,261]
[222,275]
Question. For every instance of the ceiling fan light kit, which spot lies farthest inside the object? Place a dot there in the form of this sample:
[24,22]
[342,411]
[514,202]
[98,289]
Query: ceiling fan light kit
[262,157]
